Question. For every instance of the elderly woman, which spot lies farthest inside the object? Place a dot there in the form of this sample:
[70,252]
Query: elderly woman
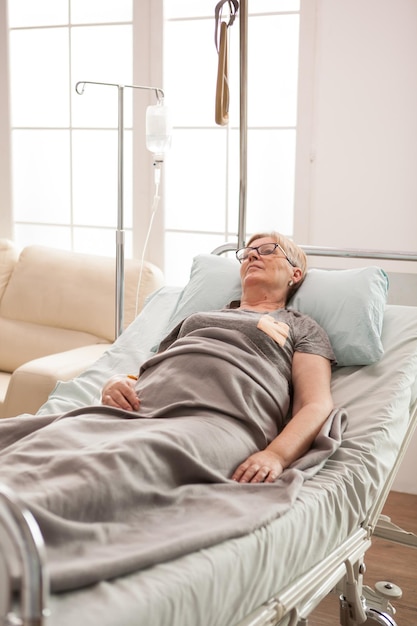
[256,363]
[191,453]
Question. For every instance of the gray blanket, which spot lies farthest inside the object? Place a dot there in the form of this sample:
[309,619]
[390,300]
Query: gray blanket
[115,492]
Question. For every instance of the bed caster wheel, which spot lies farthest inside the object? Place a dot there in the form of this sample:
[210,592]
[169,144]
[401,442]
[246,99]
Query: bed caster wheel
[373,616]
[388,590]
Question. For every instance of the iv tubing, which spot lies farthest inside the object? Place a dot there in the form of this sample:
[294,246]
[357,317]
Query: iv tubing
[155,204]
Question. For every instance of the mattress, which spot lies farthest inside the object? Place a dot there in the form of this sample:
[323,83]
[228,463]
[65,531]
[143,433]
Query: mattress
[219,586]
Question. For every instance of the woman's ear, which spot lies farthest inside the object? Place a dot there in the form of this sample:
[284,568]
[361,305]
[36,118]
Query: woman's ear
[297,275]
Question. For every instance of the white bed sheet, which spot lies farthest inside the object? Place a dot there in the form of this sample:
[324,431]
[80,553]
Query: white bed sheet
[220,585]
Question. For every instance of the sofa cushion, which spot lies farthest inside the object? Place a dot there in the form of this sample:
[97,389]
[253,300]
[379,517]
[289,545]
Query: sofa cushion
[38,378]
[72,291]
[24,341]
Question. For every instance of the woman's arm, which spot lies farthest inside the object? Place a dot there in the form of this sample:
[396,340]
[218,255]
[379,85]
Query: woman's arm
[312,404]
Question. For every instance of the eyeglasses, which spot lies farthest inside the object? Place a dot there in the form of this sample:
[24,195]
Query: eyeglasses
[264,249]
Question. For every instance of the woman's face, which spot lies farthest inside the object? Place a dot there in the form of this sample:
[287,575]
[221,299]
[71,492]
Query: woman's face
[272,271]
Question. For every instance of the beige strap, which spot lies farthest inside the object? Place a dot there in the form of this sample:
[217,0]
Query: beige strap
[222,46]
[222,87]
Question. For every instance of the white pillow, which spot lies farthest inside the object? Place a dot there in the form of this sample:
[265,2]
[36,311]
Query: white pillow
[214,282]
[348,304]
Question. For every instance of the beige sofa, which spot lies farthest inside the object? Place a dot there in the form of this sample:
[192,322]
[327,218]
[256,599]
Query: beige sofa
[57,316]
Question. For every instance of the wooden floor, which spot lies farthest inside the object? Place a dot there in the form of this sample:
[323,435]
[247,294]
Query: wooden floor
[386,561]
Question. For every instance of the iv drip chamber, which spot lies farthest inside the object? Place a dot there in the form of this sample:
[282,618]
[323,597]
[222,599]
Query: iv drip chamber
[158,129]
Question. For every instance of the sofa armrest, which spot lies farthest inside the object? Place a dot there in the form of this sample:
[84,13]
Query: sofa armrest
[31,383]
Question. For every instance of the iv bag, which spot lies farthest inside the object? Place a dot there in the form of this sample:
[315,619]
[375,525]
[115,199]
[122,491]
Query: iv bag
[158,129]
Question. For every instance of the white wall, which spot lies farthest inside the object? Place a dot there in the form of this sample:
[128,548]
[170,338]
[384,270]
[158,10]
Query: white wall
[357,154]
[363,135]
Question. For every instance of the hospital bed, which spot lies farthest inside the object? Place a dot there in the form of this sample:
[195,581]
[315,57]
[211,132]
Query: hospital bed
[280,572]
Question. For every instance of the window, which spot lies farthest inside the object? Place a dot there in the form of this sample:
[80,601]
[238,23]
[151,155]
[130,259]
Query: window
[65,146]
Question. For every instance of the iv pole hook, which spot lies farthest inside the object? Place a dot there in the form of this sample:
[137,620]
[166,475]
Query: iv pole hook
[80,86]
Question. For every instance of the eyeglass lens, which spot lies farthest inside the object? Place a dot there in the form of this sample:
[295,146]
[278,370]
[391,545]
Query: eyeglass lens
[264,249]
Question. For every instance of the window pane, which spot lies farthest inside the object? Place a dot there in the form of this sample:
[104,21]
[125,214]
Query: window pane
[100,241]
[101,11]
[39,73]
[190,72]
[95,177]
[195,179]
[101,54]
[180,250]
[41,175]
[270,191]
[39,13]
[272,72]
[187,8]
[279,107]
[42,235]
[273,6]
[270,184]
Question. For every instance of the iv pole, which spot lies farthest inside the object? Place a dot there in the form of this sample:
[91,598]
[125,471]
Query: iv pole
[120,235]
[243,127]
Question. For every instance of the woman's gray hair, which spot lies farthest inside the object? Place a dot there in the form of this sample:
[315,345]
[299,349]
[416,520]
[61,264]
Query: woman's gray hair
[294,253]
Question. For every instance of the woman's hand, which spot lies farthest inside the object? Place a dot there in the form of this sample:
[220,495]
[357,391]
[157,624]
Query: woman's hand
[120,393]
[262,467]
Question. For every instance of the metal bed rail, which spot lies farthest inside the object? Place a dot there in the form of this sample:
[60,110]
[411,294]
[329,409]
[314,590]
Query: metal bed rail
[352,253]
[305,594]
[356,253]
[23,534]
[381,525]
